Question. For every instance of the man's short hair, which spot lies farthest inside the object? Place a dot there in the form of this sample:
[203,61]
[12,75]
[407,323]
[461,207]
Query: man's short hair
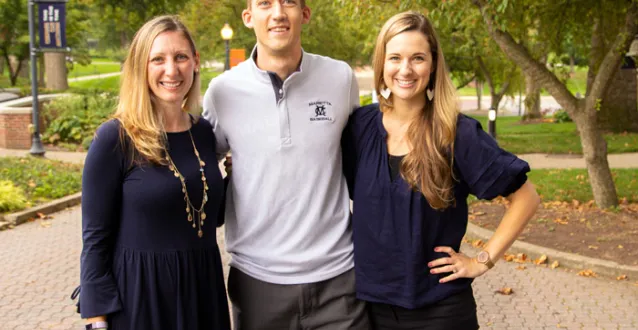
[249,2]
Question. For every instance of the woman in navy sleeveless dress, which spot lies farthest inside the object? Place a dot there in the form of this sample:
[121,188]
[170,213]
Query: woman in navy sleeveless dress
[152,192]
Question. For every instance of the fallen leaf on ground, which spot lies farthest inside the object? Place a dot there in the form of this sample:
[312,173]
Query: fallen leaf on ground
[521,258]
[587,273]
[621,247]
[541,260]
[593,247]
[505,291]
[509,257]
[561,221]
[621,277]
[45,224]
[41,215]
[521,267]
[554,265]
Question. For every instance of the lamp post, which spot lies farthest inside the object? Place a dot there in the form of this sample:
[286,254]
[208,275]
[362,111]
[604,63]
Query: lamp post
[227,34]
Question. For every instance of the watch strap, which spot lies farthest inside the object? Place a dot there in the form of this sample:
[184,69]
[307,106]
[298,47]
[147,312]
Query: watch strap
[97,325]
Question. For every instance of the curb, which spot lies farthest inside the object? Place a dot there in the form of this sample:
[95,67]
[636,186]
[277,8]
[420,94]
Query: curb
[14,219]
[567,260]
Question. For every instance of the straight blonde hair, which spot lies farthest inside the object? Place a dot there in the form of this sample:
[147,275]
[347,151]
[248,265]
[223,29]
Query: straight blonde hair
[428,167]
[141,123]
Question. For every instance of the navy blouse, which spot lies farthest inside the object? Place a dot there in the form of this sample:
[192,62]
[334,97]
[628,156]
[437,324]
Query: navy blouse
[395,230]
[142,263]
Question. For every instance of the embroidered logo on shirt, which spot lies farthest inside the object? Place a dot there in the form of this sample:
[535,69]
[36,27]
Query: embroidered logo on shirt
[320,111]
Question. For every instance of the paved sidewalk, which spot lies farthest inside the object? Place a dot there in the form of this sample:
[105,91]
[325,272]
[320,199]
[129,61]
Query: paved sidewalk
[40,269]
[536,161]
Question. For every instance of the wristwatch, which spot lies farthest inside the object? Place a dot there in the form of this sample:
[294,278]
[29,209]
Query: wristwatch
[484,258]
[97,325]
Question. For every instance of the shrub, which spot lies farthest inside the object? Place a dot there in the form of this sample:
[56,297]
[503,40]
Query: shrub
[365,99]
[561,116]
[74,119]
[41,179]
[11,197]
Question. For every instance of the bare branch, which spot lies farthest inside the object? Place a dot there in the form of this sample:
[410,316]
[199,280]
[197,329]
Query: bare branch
[518,54]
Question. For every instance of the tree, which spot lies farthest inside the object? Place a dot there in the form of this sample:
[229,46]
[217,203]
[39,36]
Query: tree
[116,21]
[14,25]
[596,23]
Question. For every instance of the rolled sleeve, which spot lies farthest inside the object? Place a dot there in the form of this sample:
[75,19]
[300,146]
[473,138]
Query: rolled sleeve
[488,170]
[101,195]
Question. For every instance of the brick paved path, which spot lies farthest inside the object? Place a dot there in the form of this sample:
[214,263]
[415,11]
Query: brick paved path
[39,264]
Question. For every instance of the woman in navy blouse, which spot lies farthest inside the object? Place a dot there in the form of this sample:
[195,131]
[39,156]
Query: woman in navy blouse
[151,194]
[412,161]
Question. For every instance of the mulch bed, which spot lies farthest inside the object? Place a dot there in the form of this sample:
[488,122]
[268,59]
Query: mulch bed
[573,227]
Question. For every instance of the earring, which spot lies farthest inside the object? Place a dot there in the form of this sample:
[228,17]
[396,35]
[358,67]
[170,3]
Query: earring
[196,71]
[385,93]
[430,94]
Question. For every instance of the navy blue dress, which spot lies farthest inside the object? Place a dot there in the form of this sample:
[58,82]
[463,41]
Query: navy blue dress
[395,230]
[142,263]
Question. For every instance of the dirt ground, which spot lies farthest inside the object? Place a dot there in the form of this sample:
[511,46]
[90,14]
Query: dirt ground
[573,227]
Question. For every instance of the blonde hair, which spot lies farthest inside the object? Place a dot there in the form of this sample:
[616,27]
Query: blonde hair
[141,123]
[428,167]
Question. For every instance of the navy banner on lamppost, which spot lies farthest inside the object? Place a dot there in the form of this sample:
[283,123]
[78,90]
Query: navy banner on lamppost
[52,19]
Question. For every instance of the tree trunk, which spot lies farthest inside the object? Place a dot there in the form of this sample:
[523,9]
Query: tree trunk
[479,95]
[532,98]
[1,66]
[595,152]
[56,71]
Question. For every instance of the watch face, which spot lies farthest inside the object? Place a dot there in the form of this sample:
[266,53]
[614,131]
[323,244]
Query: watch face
[483,257]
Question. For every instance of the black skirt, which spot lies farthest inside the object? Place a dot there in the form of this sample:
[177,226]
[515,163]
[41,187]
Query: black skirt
[455,312]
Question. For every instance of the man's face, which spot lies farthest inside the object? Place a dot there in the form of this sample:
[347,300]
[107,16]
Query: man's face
[277,24]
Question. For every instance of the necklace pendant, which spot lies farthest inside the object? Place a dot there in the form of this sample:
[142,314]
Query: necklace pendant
[203,178]
[176,174]
[200,233]
[190,217]
[188,209]
[201,163]
[203,216]
[194,225]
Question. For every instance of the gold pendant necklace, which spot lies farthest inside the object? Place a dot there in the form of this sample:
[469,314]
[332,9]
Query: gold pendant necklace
[194,215]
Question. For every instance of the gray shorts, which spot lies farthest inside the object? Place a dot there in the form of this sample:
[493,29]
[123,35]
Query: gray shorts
[325,305]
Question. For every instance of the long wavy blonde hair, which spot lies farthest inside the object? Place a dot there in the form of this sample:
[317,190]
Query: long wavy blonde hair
[142,125]
[428,167]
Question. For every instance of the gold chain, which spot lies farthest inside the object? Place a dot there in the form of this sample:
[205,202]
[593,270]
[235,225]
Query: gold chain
[194,215]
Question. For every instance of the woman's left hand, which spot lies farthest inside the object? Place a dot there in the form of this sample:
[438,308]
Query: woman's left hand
[460,265]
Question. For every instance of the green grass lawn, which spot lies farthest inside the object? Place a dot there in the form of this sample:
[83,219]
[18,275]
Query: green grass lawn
[40,180]
[5,82]
[110,84]
[573,184]
[113,83]
[93,69]
[554,138]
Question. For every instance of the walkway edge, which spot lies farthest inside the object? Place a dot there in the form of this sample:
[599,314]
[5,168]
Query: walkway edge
[567,260]
[60,204]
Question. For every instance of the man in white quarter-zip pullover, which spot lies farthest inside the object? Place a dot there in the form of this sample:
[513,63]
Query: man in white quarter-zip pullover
[281,114]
